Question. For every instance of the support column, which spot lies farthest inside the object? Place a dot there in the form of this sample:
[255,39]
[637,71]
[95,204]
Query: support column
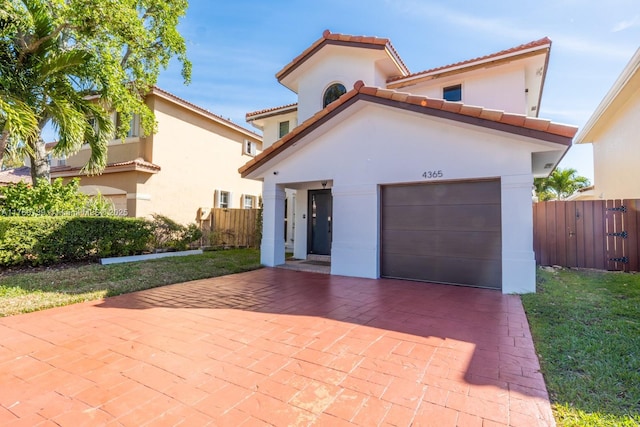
[354,250]
[272,247]
[518,257]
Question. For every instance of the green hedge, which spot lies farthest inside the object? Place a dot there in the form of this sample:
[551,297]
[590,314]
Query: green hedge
[49,240]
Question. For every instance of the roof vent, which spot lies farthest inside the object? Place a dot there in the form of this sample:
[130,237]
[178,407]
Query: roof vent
[548,165]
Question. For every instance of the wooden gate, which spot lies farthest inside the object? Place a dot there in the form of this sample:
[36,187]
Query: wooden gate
[229,227]
[601,234]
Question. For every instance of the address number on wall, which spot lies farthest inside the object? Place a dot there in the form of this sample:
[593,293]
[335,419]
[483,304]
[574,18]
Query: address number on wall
[432,174]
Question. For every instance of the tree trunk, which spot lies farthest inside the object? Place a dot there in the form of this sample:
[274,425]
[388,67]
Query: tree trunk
[40,167]
[4,138]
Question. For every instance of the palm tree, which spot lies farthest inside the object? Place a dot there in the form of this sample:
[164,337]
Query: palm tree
[16,118]
[45,75]
[561,184]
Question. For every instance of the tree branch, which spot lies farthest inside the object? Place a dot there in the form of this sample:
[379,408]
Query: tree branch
[32,47]
[4,138]
[125,57]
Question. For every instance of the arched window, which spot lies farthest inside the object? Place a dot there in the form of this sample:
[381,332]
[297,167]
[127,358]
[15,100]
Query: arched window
[332,93]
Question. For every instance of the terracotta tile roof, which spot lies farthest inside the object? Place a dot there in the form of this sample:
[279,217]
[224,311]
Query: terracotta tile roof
[137,164]
[157,91]
[508,122]
[15,175]
[267,111]
[328,37]
[514,51]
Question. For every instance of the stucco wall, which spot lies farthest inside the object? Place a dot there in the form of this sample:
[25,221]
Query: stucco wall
[272,127]
[122,183]
[119,151]
[344,65]
[502,88]
[616,151]
[372,145]
[197,156]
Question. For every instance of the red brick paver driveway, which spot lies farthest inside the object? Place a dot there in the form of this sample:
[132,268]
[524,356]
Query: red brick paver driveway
[276,347]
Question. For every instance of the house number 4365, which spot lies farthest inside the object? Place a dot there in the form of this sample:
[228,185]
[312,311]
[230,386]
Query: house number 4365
[432,174]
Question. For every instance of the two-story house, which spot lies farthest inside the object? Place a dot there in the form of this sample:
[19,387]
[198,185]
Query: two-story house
[613,130]
[191,162]
[422,176]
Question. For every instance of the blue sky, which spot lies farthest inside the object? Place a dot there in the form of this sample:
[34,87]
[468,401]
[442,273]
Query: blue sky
[237,46]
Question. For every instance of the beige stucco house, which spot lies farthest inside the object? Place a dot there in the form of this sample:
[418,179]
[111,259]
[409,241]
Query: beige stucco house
[191,162]
[614,131]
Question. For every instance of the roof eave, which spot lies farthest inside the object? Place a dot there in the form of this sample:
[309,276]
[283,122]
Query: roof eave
[631,71]
[161,93]
[66,172]
[290,82]
[523,126]
[544,77]
[272,112]
[461,68]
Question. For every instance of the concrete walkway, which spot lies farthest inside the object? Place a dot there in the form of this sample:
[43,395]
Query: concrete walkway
[276,347]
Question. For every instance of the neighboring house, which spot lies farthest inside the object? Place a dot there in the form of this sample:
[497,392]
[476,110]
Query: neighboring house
[393,181]
[275,123]
[15,175]
[191,162]
[614,131]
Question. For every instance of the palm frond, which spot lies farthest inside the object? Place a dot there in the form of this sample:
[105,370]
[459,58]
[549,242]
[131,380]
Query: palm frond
[17,118]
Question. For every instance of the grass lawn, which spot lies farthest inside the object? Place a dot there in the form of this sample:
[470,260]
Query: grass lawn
[586,328]
[31,291]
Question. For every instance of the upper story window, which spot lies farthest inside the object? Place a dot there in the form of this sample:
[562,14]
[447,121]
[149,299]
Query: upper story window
[134,125]
[283,129]
[452,93]
[134,130]
[250,148]
[56,161]
[332,93]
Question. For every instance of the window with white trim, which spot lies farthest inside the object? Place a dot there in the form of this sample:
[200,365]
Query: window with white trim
[452,93]
[56,161]
[332,93]
[134,125]
[283,128]
[248,202]
[250,148]
[223,201]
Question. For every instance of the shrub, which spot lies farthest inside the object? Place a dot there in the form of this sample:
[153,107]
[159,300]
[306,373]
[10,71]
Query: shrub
[52,199]
[168,234]
[47,240]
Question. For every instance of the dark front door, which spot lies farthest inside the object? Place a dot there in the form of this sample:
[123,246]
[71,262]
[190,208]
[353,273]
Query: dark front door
[319,216]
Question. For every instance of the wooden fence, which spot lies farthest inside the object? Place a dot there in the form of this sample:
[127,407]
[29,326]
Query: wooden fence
[229,227]
[601,234]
